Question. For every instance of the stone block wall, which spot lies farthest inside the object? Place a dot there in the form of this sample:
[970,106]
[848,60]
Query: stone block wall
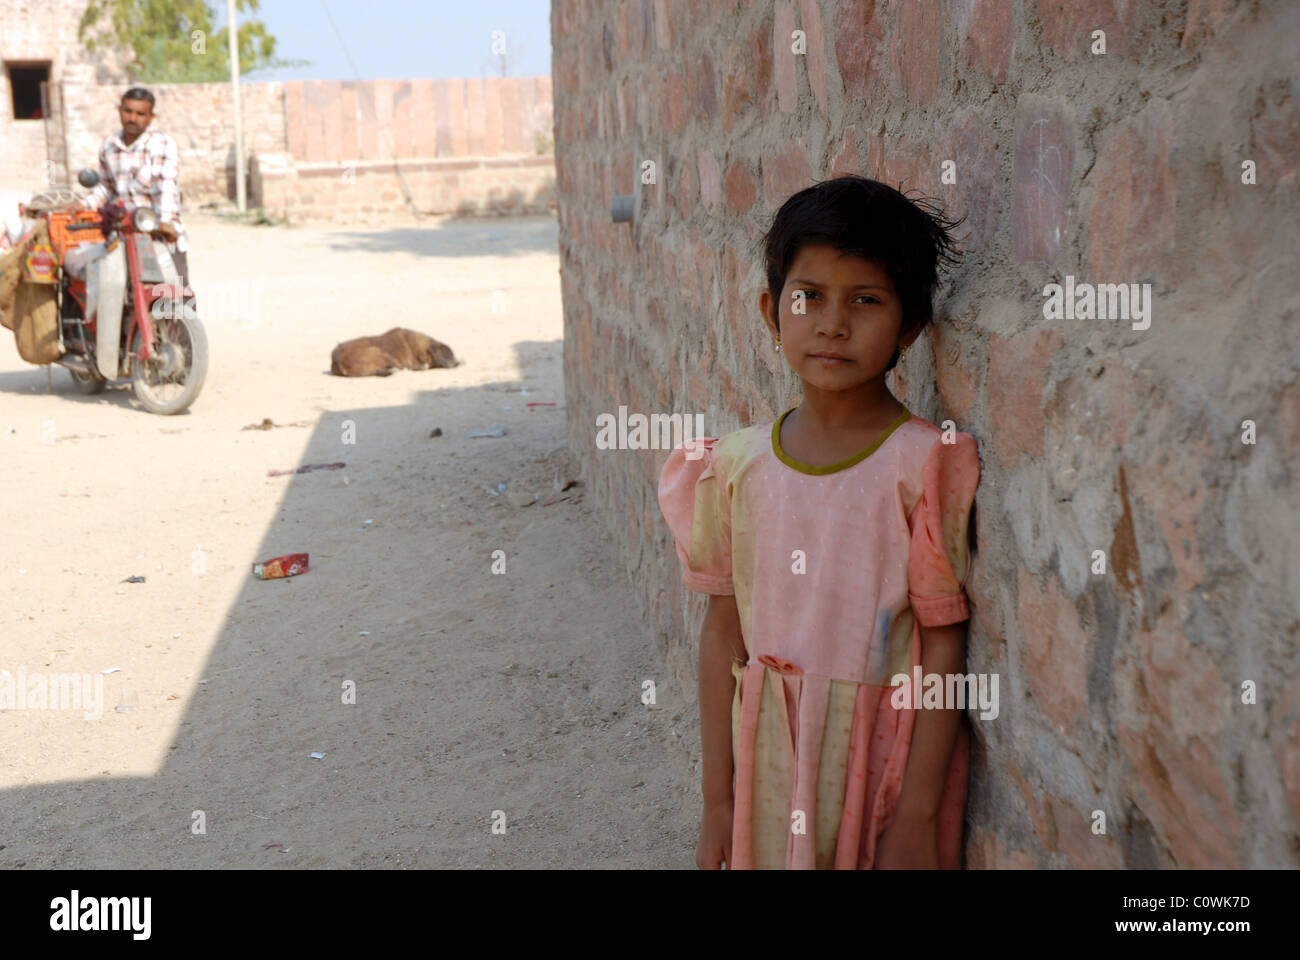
[43,31]
[331,150]
[1163,691]
[368,149]
[198,116]
[336,150]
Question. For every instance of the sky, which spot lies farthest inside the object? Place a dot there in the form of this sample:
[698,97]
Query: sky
[404,38]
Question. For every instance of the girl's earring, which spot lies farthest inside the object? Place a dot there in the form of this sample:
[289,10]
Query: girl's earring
[777,344]
[901,354]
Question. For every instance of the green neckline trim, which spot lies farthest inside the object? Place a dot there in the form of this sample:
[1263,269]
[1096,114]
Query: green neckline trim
[831,467]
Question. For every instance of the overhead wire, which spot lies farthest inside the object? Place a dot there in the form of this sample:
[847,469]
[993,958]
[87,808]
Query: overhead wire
[406,190]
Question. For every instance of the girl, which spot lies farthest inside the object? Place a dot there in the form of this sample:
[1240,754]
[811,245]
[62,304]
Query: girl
[833,546]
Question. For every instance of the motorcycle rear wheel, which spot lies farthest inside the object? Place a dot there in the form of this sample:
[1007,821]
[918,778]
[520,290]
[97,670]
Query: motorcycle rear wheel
[181,345]
[88,383]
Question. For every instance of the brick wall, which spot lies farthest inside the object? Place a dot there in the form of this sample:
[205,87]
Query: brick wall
[1120,692]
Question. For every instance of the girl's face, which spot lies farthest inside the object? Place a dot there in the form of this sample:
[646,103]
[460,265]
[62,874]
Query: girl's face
[839,318]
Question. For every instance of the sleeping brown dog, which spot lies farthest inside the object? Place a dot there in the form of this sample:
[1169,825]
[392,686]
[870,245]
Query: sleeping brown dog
[398,349]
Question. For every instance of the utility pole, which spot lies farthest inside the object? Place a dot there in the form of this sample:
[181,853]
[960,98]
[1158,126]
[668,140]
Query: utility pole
[240,189]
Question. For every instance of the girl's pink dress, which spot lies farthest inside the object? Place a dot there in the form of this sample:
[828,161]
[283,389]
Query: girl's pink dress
[834,570]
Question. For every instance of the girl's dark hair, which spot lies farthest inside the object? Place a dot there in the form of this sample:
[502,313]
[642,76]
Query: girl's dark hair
[865,218]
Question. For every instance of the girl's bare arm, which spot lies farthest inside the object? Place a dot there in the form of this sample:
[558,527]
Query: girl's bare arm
[912,839]
[720,644]
[943,652]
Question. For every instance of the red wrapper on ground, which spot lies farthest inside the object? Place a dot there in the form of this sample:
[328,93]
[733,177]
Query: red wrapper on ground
[290,565]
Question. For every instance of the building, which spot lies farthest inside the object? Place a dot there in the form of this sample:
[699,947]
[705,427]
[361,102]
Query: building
[39,47]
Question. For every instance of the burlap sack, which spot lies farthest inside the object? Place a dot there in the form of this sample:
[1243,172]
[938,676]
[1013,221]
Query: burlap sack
[36,322]
[11,270]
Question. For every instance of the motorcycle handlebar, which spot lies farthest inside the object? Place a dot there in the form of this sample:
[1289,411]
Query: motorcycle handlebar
[115,215]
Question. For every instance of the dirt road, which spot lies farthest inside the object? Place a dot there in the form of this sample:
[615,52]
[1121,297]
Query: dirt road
[475,691]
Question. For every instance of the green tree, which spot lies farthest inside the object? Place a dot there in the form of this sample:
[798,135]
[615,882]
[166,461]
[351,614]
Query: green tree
[174,42]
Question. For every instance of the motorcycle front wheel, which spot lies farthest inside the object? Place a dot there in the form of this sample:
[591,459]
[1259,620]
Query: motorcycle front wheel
[170,380]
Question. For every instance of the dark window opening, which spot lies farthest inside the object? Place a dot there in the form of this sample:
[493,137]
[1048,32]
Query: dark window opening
[25,87]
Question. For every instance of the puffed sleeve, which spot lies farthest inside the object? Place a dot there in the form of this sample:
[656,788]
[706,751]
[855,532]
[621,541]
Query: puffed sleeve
[693,498]
[939,558]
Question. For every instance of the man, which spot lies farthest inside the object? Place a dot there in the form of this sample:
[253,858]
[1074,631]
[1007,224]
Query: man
[142,167]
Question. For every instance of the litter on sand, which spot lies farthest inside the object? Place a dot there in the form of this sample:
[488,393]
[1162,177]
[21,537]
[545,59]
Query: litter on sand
[316,755]
[136,579]
[130,701]
[539,403]
[110,670]
[308,468]
[496,430]
[436,432]
[290,565]
[572,496]
[268,424]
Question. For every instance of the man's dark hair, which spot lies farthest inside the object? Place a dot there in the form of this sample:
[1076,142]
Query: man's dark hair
[865,218]
[140,93]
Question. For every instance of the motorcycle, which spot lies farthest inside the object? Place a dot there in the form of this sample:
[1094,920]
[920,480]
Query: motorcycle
[122,310]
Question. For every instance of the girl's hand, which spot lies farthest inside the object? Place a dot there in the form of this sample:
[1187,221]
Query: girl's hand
[715,835]
[909,843]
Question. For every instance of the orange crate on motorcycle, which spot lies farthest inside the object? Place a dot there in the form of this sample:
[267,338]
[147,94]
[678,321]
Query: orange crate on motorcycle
[63,239]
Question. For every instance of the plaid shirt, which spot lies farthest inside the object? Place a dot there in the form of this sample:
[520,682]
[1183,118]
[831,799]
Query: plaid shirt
[146,172]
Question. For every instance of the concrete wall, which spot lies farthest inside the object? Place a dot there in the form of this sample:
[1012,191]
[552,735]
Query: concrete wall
[1120,692]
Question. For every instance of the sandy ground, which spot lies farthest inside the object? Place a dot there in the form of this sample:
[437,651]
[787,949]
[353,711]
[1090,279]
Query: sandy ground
[475,692]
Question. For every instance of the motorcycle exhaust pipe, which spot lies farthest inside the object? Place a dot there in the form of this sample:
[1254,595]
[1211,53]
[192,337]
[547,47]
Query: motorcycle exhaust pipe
[77,364]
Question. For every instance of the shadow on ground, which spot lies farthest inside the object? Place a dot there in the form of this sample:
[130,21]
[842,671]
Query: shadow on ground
[474,692]
[33,379]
